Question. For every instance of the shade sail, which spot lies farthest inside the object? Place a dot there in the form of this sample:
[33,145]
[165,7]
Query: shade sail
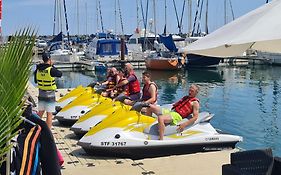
[259,29]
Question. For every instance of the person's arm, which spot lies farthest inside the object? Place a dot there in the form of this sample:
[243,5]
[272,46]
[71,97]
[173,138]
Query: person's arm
[152,90]
[195,114]
[122,83]
[55,72]
[35,78]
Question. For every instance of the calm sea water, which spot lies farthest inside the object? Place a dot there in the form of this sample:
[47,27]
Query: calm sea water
[246,101]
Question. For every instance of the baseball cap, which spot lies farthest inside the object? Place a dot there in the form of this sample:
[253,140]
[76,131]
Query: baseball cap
[46,56]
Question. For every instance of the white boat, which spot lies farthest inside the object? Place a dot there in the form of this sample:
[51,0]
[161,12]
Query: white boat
[104,49]
[269,57]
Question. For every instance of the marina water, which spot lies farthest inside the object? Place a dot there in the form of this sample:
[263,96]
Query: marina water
[246,101]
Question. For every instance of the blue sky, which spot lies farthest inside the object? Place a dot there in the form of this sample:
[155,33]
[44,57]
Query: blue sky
[40,13]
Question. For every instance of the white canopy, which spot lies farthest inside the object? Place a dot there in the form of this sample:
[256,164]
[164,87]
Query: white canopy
[259,29]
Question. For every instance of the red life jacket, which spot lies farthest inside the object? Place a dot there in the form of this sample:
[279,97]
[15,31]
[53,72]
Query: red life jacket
[123,88]
[134,86]
[145,92]
[184,107]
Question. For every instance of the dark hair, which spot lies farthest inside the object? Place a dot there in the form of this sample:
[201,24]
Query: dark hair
[147,74]
[46,57]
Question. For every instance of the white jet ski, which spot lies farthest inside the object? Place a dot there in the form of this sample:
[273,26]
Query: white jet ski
[135,137]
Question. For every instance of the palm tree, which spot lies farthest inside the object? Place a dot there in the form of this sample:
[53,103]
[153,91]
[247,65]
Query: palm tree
[15,67]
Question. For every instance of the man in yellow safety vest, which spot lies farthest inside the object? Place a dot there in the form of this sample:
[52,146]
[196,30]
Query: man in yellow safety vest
[45,74]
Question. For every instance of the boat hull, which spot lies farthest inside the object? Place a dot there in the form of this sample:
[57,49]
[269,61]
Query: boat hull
[162,64]
[194,60]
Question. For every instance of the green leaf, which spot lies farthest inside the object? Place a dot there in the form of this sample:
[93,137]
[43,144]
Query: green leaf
[15,68]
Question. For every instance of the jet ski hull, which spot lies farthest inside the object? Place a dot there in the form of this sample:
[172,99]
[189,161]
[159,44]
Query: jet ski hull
[155,151]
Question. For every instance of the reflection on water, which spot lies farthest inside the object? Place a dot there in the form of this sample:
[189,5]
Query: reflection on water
[245,100]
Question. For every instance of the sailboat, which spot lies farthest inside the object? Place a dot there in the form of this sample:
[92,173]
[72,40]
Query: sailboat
[164,58]
[59,48]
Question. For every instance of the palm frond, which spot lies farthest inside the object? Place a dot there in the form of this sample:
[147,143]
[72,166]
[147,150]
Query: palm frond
[15,65]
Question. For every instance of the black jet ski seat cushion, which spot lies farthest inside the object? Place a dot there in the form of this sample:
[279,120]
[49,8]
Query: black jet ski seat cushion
[172,129]
[258,162]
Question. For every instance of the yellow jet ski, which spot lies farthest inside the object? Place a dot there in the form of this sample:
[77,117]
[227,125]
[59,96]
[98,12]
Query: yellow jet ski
[96,115]
[133,135]
[70,96]
[78,107]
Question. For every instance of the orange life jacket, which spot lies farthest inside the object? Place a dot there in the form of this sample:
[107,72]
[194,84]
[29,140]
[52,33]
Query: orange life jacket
[184,107]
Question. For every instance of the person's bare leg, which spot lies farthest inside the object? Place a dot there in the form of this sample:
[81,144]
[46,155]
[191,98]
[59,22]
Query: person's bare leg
[40,113]
[162,119]
[154,109]
[161,127]
[49,119]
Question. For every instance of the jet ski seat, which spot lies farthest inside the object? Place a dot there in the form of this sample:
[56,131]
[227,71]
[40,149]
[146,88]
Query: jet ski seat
[172,129]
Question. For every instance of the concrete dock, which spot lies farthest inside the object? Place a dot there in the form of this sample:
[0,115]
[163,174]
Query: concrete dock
[78,162]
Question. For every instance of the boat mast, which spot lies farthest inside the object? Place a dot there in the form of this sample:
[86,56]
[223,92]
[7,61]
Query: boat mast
[225,12]
[206,17]
[86,10]
[189,11]
[66,23]
[232,12]
[137,3]
[60,16]
[54,24]
[195,18]
[165,27]
[101,21]
[115,17]
[97,15]
[154,14]
[77,13]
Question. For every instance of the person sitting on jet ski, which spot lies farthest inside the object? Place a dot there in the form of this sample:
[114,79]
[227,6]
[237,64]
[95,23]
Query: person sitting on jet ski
[132,82]
[181,109]
[111,81]
[121,89]
[149,93]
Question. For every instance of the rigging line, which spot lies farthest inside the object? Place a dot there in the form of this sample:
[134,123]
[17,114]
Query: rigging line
[183,7]
[137,3]
[121,21]
[232,12]
[199,21]
[154,14]
[115,17]
[60,16]
[165,28]
[97,15]
[195,18]
[206,25]
[66,23]
[101,21]
[176,13]
[55,9]
[142,14]
[145,24]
